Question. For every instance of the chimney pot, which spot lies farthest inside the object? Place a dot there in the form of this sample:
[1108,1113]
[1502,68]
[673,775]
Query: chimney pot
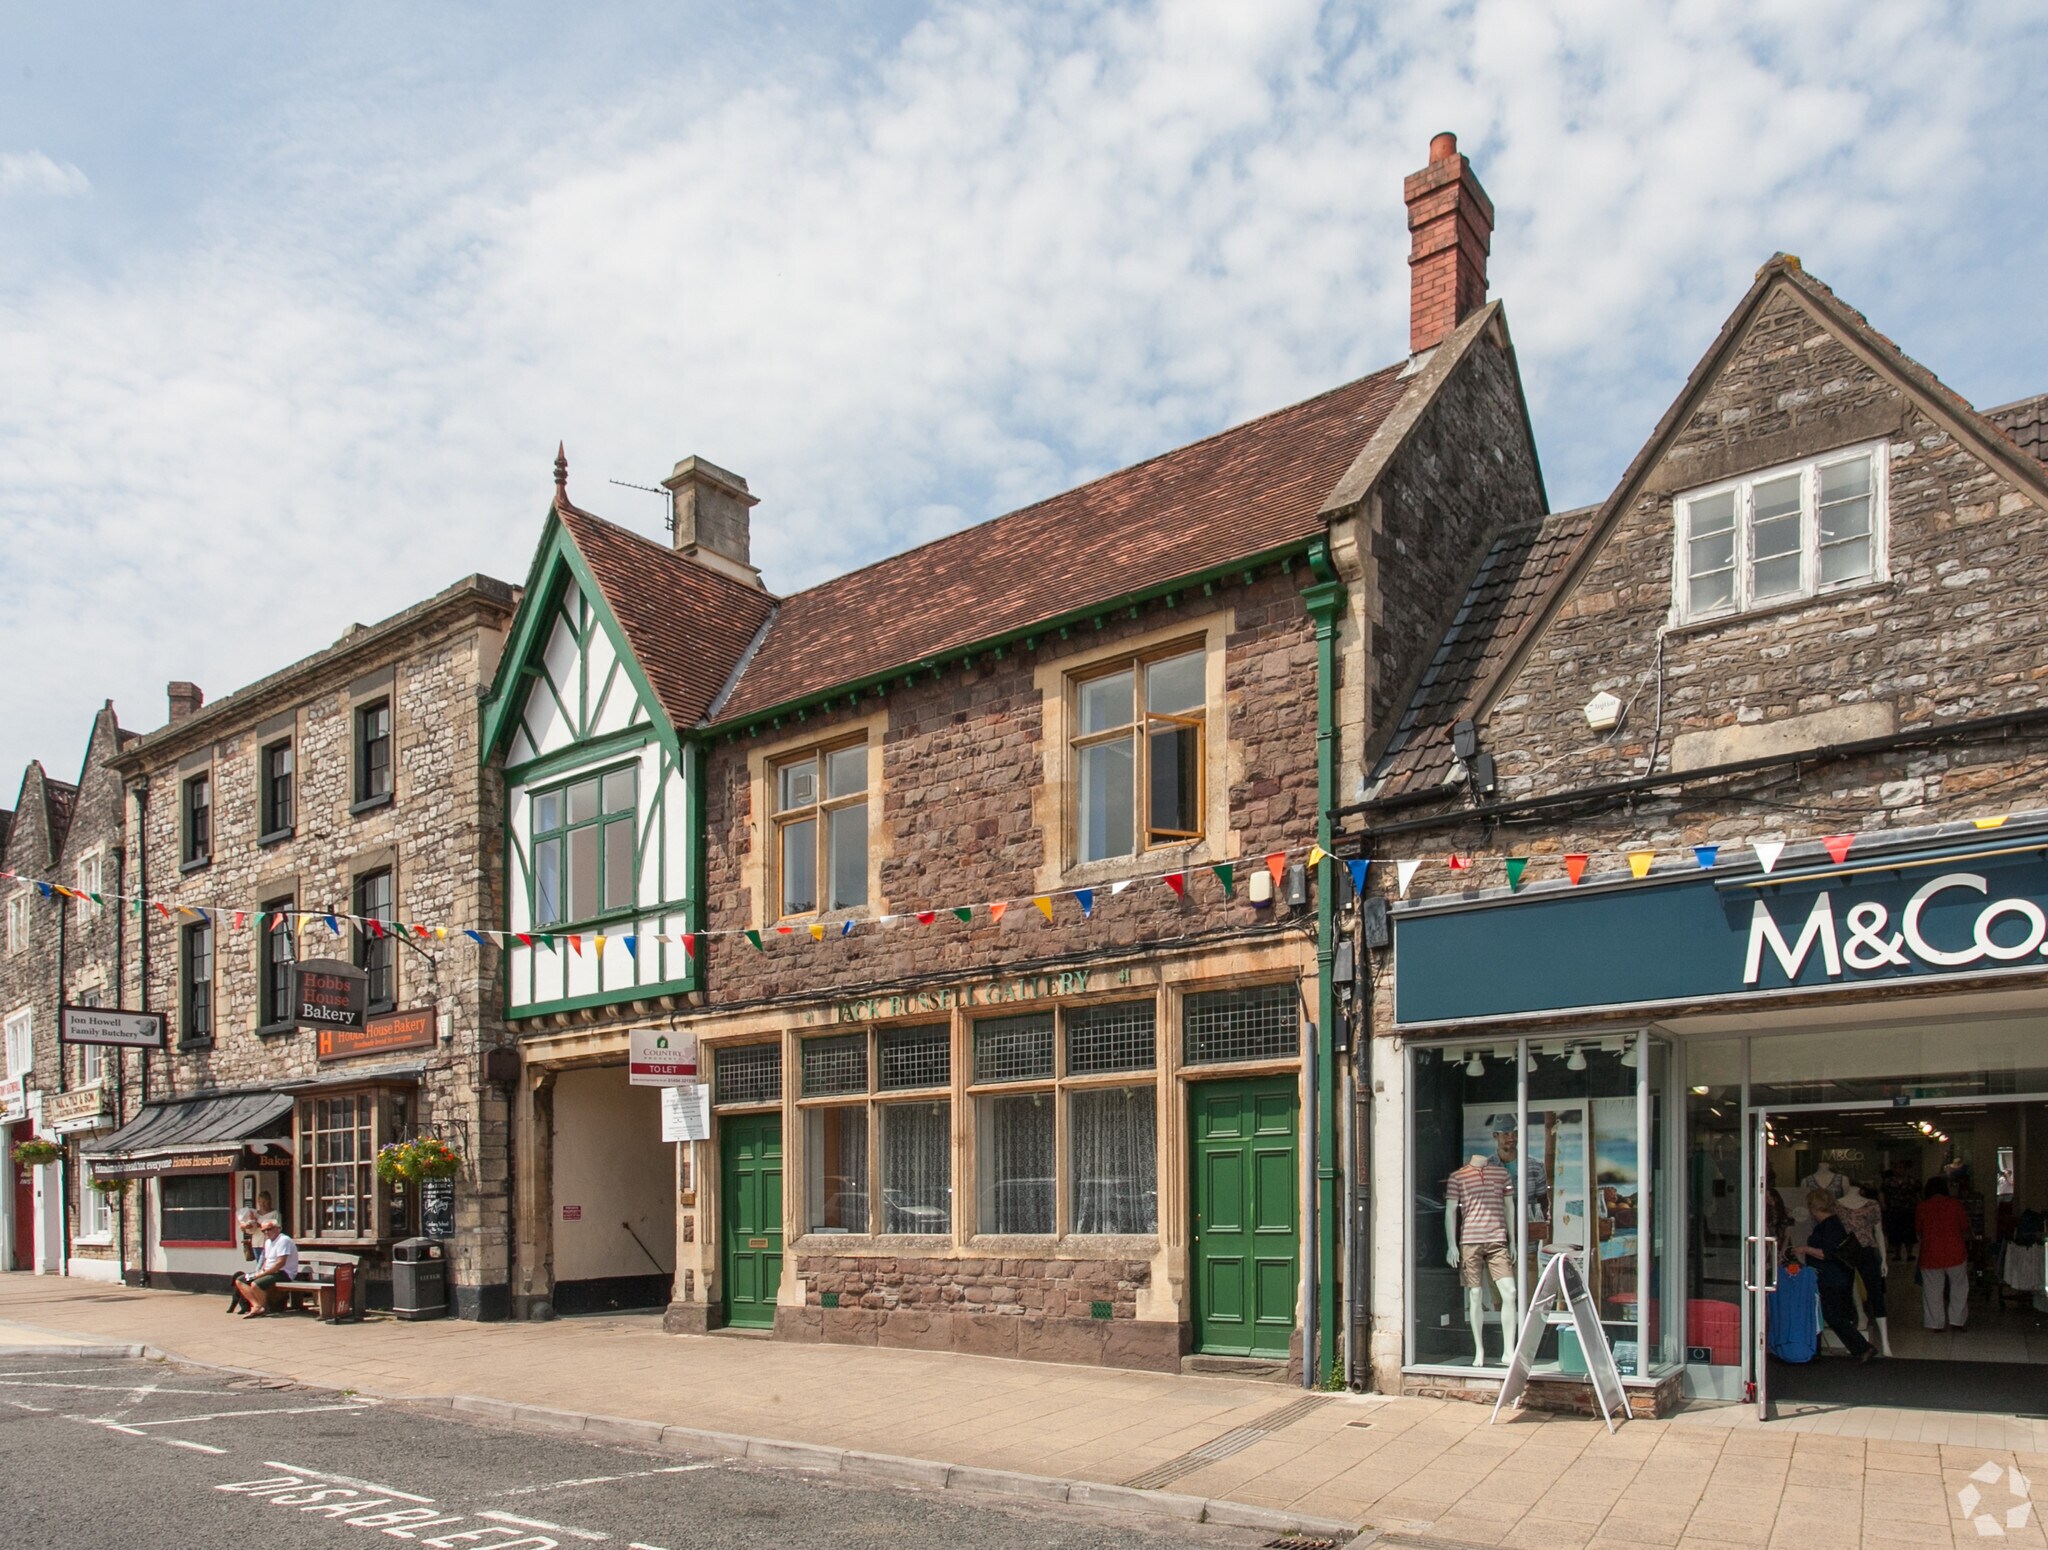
[709,509]
[1450,222]
[185,698]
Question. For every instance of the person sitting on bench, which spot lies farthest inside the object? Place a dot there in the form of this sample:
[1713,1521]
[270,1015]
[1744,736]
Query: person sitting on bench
[279,1262]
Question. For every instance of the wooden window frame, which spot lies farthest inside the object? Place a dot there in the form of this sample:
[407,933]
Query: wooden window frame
[268,988]
[195,990]
[873,1100]
[817,811]
[377,1112]
[195,820]
[277,791]
[376,955]
[537,837]
[1145,837]
[363,741]
[1743,490]
[163,1209]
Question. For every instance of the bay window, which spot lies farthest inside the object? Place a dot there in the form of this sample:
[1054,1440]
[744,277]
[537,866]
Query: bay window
[338,1134]
[585,838]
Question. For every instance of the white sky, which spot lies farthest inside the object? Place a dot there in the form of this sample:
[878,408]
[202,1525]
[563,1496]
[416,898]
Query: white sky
[295,305]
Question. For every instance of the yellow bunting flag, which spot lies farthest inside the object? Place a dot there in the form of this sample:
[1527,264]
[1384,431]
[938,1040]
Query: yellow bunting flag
[1639,862]
[1990,823]
[1044,906]
[600,945]
[1316,854]
[817,932]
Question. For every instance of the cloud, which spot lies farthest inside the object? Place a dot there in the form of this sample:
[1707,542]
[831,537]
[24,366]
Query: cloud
[27,174]
[908,287]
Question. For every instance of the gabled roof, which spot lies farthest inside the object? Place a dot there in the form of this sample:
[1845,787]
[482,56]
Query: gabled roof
[1783,273]
[686,624]
[2026,423]
[1513,580]
[61,801]
[1249,491]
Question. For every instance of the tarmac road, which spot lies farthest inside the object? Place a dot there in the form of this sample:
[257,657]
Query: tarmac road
[156,1456]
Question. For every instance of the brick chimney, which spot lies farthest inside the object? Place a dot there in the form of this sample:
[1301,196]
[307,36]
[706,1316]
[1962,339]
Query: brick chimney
[1451,224]
[185,699]
[708,513]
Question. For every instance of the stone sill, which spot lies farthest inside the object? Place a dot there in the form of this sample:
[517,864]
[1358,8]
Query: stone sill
[1864,591]
[276,836]
[196,864]
[370,804]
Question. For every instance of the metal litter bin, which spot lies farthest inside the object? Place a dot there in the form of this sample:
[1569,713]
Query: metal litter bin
[419,1278]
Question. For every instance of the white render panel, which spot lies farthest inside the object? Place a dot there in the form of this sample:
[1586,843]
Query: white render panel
[522,746]
[545,728]
[563,649]
[582,967]
[675,834]
[610,689]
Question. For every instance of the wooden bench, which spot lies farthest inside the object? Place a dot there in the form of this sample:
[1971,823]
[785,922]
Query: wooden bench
[330,1281]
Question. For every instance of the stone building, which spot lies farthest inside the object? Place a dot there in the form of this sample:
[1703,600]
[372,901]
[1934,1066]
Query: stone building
[1004,957]
[333,810]
[1714,843]
[61,945]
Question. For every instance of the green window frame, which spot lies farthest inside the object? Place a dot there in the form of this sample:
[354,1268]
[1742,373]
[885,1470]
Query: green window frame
[586,839]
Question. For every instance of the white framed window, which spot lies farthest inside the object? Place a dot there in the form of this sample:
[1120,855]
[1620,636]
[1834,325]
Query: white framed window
[17,921]
[92,869]
[1786,533]
[21,1042]
[92,1058]
[95,1221]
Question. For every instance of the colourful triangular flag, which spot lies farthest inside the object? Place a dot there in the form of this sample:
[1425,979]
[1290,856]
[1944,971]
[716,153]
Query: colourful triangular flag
[817,932]
[43,889]
[632,947]
[547,940]
[926,917]
[1838,846]
[1226,874]
[428,933]
[964,913]
[576,943]
[1640,862]
[785,930]
[262,920]
[1178,882]
[1575,867]
[995,911]
[523,938]
[846,928]
[1705,855]
[1277,865]
[755,938]
[1044,906]
[335,927]
[1767,852]
[690,943]
[1316,854]
[599,941]
[377,928]
[1517,865]
[1119,886]
[1404,874]
[476,937]
[1458,863]
[1357,870]
[1990,823]
[164,908]
[1085,897]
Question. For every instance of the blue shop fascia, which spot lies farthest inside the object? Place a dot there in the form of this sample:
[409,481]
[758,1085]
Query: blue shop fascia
[1635,1063]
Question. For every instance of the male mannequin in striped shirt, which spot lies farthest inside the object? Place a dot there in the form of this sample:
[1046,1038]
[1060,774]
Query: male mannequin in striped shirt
[1476,1223]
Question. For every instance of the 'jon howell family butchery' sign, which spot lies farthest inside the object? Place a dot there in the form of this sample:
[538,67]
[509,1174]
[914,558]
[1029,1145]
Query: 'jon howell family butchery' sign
[1706,938]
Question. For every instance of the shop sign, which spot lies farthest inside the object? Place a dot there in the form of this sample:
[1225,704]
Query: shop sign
[1000,992]
[379,1035]
[1701,939]
[330,994]
[110,1025]
[437,1208]
[655,1058]
[13,1099]
[152,1167]
[82,1108]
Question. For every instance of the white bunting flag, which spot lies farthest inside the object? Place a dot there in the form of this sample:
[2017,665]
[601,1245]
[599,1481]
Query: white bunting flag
[1404,874]
[1117,888]
[1767,852]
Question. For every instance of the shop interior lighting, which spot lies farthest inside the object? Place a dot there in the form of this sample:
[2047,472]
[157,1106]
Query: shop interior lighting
[1629,1057]
[1699,1092]
[1576,1061]
[1475,1066]
[1529,1060]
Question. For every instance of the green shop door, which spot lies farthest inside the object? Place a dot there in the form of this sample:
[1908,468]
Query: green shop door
[750,1206]
[1247,1204]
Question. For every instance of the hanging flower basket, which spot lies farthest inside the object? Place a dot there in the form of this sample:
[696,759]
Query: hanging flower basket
[408,1162]
[107,1187]
[37,1151]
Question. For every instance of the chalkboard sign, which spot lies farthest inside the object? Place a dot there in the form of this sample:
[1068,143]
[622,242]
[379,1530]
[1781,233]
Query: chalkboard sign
[437,1208]
[1561,1278]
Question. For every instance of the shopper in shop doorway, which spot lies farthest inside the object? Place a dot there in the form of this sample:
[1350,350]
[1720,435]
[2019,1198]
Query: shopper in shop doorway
[1944,1229]
[1835,1254]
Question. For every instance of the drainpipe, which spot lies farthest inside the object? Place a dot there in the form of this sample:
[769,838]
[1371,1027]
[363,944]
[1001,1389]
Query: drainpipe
[120,1056]
[1324,599]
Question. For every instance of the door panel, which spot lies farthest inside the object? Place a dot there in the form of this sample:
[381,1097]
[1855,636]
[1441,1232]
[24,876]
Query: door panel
[750,1195]
[1247,1215]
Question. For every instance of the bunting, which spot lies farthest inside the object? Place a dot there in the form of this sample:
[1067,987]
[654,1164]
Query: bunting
[1404,874]
[1575,867]
[1517,865]
[1085,897]
[1178,882]
[1640,862]
[1226,874]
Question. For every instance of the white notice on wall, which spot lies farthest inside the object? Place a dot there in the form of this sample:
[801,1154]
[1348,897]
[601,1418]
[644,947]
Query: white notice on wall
[685,1113]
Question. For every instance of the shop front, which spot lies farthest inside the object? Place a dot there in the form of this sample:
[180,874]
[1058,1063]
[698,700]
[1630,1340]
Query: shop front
[1677,1079]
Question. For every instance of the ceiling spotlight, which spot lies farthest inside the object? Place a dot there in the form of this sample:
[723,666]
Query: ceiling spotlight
[1699,1092]
[1576,1061]
[1628,1054]
[1475,1066]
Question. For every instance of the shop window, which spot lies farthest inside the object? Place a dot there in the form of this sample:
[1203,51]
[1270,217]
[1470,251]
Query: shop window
[916,1057]
[1263,1023]
[376,948]
[274,963]
[746,1073]
[917,1167]
[92,1211]
[373,754]
[1523,1150]
[196,810]
[836,1149]
[585,834]
[195,983]
[1137,748]
[907,1142]
[1781,535]
[277,794]
[337,1151]
[1119,1037]
[821,830]
[198,1209]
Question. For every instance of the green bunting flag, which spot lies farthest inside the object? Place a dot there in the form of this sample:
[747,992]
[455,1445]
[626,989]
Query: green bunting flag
[755,938]
[964,913]
[1226,874]
[1517,865]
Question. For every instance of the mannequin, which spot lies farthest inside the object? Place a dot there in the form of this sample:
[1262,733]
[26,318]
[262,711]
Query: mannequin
[1476,1226]
[1825,1177]
[1865,1220]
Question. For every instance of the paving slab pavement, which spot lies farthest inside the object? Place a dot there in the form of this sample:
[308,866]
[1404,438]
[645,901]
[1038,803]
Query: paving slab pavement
[1413,1471]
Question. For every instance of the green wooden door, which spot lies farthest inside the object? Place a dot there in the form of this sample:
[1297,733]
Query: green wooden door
[750,1206]
[1247,1215]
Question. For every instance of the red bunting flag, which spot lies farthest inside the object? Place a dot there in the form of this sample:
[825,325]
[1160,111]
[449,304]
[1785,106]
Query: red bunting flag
[1575,867]
[424,931]
[785,930]
[576,944]
[926,917]
[995,911]
[1838,846]
[1459,863]
[164,908]
[1178,882]
[690,943]
[240,916]
[524,939]
[377,928]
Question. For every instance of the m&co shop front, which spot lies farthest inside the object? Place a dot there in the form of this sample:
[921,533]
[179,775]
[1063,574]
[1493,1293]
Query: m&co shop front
[1656,1073]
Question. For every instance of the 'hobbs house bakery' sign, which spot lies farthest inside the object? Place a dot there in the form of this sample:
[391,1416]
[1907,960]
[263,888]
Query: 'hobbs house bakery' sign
[1917,915]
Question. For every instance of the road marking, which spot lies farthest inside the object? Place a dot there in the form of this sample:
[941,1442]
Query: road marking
[551,1528]
[196,1447]
[361,1485]
[129,1431]
[637,1474]
[229,1415]
[93,1388]
[636,1545]
[22,1404]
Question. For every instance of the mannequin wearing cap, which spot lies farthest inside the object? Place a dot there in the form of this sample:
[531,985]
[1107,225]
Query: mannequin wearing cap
[1476,1225]
[1865,1220]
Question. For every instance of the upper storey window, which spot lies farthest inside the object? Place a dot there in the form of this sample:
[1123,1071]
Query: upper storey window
[583,843]
[821,830]
[1138,758]
[1781,535]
